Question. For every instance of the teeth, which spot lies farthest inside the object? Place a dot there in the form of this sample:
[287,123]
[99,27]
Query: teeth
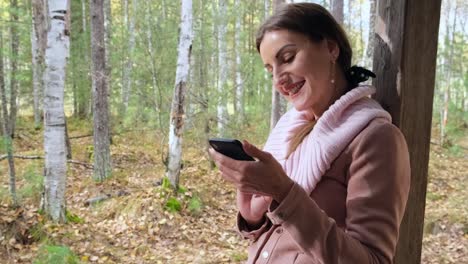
[295,89]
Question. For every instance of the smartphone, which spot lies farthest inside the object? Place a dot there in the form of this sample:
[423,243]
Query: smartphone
[230,147]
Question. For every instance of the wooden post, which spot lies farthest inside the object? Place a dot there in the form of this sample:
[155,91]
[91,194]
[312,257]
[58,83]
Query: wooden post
[404,61]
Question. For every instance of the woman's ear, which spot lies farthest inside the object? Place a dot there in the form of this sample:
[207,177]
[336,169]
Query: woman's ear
[333,49]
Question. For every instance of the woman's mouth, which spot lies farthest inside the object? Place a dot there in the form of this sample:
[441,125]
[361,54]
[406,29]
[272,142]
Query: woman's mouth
[294,88]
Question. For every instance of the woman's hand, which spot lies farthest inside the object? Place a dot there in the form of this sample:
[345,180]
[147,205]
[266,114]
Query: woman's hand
[263,177]
[252,207]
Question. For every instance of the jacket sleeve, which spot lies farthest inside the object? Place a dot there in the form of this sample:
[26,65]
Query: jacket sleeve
[377,191]
[251,234]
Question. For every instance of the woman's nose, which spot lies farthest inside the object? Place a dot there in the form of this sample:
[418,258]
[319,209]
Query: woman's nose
[279,79]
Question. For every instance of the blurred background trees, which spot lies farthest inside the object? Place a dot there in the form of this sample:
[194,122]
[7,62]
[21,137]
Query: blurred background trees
[227,91]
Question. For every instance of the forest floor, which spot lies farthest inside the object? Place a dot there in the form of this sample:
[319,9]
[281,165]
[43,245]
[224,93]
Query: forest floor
[142,221]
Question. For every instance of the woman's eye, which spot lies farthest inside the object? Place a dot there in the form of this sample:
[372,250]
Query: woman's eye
[288,59]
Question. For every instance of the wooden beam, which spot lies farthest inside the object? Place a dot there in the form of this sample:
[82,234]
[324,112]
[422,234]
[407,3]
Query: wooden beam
[404,61]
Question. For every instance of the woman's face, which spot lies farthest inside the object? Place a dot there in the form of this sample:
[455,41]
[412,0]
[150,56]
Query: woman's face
[301,69]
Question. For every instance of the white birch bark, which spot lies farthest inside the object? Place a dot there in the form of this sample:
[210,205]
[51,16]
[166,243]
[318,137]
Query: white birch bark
[5,128]
[266,84]
[56,56]
[36,78]
[38,45]
[83,15]
[178,101]
[267,9]
[127,78]
[278,103]
[370,43]
[337,10]
[154,77]
[102,158]
[449,67]
[222,66]
[239,80]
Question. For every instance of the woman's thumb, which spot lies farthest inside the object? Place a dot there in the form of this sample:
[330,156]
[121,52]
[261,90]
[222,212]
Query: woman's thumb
[254,151]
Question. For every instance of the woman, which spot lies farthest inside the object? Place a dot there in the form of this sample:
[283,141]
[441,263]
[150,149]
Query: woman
[332,182]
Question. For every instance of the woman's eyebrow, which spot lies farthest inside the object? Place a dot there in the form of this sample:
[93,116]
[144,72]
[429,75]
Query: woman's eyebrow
[280,51]
[282,48]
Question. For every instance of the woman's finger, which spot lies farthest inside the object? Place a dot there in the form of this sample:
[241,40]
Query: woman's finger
[255,152]
[224,161]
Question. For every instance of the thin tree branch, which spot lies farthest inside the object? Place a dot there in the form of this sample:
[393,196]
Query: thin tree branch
[87,165]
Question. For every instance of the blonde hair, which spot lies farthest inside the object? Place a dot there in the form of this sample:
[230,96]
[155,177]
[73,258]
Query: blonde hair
[299,136]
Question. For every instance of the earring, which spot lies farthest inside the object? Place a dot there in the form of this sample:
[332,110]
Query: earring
[332,72]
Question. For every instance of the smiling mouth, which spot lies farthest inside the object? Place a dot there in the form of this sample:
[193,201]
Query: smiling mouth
[295,88]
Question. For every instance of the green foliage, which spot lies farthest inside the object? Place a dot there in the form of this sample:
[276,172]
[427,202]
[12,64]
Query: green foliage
[195,204]
[50,254]
[180,200]
[90,152]
[34,183]
[38,232]
[239,256]
[4,192]
[166,184]
[456,150]
[73,218]
[181,190]
[173,205]
[434,196]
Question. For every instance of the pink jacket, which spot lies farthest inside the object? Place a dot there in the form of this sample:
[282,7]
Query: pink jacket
[352,215]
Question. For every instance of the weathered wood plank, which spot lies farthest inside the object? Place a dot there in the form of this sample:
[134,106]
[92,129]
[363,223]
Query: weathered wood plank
[405,61]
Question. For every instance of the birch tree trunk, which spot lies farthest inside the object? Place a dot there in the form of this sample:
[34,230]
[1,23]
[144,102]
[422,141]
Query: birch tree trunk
[239,81]
[449,70]
[38,46]
[102,158]
[56,55]
[178,101]
[267,9]
[278,104]
[266,77]
[154,77]
[13,65]
[222,66]
[337,10]
[5,127]
[83,15]
[127,78]
[370,43]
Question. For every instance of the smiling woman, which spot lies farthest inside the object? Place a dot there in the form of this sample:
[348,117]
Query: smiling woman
[332,182]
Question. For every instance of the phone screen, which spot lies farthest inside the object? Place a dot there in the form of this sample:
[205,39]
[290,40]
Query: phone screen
[230,147]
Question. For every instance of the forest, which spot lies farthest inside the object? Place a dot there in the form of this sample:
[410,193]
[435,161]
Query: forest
[107,106]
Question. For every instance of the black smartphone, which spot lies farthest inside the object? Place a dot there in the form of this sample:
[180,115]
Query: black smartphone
[230,147]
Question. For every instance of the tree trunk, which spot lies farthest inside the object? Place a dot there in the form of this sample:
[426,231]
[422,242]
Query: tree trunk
[178,101]
[108,37]
[370,43]
[278,104]
[405,69]
[154,76]
[38,46]
[83,15]
[127,78]
[267,9]
[5,127]
[449,69]
[13,65]
[56,54]
[337,10]
[222,66]
[239,80]
[102,158]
